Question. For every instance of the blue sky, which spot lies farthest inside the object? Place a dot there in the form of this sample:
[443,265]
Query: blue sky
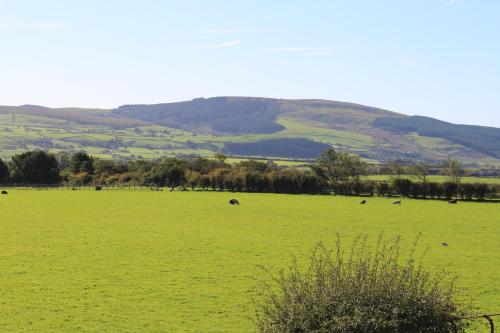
[439,58]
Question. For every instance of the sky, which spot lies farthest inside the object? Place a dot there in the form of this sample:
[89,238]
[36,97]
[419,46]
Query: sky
[437,58]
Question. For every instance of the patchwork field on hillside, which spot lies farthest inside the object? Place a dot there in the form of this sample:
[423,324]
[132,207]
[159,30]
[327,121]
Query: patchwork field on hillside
[142,261]
[241,126]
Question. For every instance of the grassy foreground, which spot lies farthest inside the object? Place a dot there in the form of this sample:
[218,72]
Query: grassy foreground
[142,261]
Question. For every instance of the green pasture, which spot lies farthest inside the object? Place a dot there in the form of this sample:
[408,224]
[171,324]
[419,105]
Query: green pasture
[143,261]
[441,179]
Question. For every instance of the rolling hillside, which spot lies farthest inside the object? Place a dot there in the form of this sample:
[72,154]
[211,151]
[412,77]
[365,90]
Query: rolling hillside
[244,126]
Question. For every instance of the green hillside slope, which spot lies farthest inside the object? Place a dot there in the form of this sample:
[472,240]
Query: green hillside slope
[244,126]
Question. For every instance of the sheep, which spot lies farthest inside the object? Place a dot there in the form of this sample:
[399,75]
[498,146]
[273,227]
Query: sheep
[233,202]
[362,202]
[397,202]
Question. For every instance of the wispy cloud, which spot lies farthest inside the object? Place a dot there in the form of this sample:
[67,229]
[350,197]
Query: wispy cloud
[312,49]
[41,26]
[230,31]
[221,45]
[51,26]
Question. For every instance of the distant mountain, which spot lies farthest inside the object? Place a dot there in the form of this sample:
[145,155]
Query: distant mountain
[249,115]
[221,115]
[245,126]
[479,138]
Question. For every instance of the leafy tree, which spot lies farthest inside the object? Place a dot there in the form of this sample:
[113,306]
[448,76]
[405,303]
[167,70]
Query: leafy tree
[169,172]
[258,166]
[109,167]
[193,179]
[4,171]
[35,167]
[325,165]
[329,166]
[220,158]
[336,166]
[356,167]
[203,165]
[217,178]
[256,182]
[81,162]
[79,179]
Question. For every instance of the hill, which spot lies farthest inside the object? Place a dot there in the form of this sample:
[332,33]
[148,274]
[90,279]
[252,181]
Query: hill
[245,126]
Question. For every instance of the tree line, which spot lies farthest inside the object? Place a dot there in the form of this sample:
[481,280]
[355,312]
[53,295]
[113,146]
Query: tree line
[333,172]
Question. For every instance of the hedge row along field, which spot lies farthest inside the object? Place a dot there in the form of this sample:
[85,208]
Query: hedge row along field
[144,261]
[333,172]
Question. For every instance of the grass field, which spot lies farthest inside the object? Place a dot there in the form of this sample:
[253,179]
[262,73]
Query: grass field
[441,179]
[142,261]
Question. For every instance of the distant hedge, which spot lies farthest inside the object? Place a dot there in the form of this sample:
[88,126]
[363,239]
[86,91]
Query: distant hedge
[80,169]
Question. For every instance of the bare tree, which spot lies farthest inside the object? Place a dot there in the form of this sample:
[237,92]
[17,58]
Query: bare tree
[420,171]
[395,168]
[453,169]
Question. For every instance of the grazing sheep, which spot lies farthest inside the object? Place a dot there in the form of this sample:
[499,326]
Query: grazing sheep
[233,202]
[4,193]
[397,202]
[453,202]
[444,244]
[362,202]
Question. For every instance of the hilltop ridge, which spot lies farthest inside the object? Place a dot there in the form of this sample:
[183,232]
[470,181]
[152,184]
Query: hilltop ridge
[245,126]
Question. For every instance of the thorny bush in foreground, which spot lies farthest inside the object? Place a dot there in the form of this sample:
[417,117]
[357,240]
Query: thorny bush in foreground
[362,291]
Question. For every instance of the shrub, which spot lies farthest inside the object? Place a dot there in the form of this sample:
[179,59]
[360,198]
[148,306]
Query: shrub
[450,189]
[482,190]
[402,186]
[434,190]
[466,191]
[383,189]
[4,171]
[418,189]
[362,291]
